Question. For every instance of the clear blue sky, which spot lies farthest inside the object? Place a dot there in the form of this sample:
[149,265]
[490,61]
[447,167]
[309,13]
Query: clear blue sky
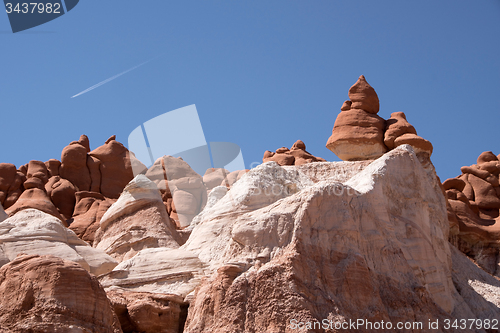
[262,74]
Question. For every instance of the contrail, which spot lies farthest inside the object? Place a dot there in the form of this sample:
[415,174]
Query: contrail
[111,79]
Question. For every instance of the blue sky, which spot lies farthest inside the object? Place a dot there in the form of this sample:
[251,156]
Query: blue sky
[262,74]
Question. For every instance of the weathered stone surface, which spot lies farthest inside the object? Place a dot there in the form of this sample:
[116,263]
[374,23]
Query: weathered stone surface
[74,164]
[357,135]
[37,175]
[138,220]
[396,126]
[297,155]
[11,184]
[333,255]
[148,312]
[363,96]
[89,209]
[34,232]
[53,166]
[62,194]
[399,132]
[35,198]
[233,177]
[214,177]
[49,294]
[157,270]
[173,175]
[474,207]
[115,167]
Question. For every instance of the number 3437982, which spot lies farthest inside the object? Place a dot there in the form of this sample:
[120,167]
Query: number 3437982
[33,7]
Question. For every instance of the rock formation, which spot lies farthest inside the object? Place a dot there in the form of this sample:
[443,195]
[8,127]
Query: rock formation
[89,209]
[49,294]
[474,203]
[11,184]
[297,155]
[34,232]
[399,132]
[148,312]
[359,134]
[183,190]
[123,232]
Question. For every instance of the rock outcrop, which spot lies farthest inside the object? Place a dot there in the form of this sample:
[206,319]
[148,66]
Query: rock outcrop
[34,232]
[49,294]
[182,189]
[399,132]
[148,312]
[137,220]
[474,204]
[297,155]
[11,184]
[89,209]
[336,250]
[360,134]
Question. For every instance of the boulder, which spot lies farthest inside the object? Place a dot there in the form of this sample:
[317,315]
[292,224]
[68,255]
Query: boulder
[214,177]
[357,135]
[34,232]
[89,209]
[49,294]
[115,166]
[74,164]
[419,144]
[37,175]
[62,194]
[148,312]
[11,184]
[53,166]
[157,270]
[396,126]
[136,221]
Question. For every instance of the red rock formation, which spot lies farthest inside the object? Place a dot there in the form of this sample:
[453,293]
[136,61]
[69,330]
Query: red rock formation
[49,294]
[398,132]
[37,175]
[53,167]
[89,209]
[62,193]
[295,156]
[148,312]
[115,167]
[358,132]
[37,199]
[474,203]
[11,184]
[74,164]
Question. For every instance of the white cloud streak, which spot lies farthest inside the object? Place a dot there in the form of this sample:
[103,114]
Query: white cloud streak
[110,79]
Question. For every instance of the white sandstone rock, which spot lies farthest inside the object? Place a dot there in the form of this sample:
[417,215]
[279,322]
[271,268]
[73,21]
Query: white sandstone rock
[136,221]
[31,231]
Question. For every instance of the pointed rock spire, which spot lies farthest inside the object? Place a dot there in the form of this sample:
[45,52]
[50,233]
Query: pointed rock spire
[363,96]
